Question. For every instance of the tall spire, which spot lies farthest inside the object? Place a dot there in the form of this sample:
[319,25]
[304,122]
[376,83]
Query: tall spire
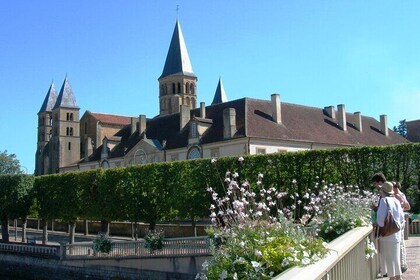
[220,94]
[177,59]
[49,100]
[66,97]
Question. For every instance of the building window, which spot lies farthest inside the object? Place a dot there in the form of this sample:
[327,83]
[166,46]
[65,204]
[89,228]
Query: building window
[71,131]
[187,88]
[179,87]
[261,151]
[69,146]
[71,116]
[192,88]
[173,88]
[68,116]
[193,129]
[67,131]
[194,153]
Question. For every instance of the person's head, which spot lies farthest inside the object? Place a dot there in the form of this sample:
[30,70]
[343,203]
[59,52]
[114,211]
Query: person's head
[387,189]
[378,179]
[397,187]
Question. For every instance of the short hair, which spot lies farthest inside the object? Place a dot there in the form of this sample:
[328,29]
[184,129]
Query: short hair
[397,185]
[379,177]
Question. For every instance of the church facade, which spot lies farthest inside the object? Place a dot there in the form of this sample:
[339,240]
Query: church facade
[187,130]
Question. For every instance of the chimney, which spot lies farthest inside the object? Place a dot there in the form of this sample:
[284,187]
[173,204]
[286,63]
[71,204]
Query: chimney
[203,110]
[330,111]
[184,116]
[276,108]
[384,124]
[133,125]
[88,148]
[358,121]
[229,123]
[341,116]
[142,123]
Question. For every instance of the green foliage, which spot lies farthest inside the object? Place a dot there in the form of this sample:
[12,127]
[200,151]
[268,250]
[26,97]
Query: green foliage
[401,129]
[154,240]
[16,195]
[102,244]
[9,164]
[159,191]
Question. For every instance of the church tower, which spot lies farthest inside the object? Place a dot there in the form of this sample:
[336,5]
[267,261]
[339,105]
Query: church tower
[42,161]
[177,84]
[65,141]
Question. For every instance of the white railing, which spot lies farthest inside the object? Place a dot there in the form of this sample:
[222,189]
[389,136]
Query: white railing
[39,250]
[173,247]
[345,261]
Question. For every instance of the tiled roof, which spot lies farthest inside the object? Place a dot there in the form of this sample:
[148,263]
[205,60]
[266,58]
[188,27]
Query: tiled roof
[310,124]
[220,94]
[66,97]
[413,130]
[177,59]
[50,100]
[253,119]
[111,119]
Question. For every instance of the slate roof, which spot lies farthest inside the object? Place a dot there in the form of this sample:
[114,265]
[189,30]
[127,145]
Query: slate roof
[220,94]
[177,60]
[50,100]
[66,98]
[111,119]
[253,119]
[413,130]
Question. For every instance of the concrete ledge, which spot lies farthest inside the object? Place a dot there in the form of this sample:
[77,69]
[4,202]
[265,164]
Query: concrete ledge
[339,247]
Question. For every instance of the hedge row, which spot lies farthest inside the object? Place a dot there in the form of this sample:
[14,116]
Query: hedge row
[163,191]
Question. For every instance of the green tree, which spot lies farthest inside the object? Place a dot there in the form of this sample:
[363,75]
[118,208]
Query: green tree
[401,129]
[15,200]
[9,164]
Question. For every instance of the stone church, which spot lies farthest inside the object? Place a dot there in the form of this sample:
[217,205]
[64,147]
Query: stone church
[184,130]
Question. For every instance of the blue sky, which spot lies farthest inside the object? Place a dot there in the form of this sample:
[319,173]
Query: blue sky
[364,54]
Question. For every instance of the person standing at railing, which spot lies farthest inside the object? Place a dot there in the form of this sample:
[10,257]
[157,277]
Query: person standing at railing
[390,245]
[377,180]
[398,194]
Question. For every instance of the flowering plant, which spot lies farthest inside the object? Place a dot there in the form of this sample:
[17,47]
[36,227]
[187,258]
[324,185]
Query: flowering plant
[102,244]
[370,250]
[252,238]
[154,239]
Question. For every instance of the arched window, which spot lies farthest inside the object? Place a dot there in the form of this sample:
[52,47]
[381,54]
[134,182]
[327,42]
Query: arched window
[192,88]
[71,131]
[68,116]
[194,153]
[166,89]
[173,88]
[187,88]
[179,87]
[162,90]
[71,116]
[69,146]
[67,131]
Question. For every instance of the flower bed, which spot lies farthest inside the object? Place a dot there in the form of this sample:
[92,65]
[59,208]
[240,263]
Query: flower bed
[259,232]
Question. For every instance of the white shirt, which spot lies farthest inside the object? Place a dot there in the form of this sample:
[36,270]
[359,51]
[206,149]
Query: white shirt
[397,213]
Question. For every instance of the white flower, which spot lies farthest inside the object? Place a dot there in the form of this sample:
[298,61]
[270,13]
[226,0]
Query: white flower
[285,262]
[240,159]
[213,160]
[294,181]
[223,275]
[255,264]
[235,175]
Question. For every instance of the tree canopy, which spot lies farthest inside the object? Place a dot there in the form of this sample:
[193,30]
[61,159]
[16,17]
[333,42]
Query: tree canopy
[401,129]
[9,164]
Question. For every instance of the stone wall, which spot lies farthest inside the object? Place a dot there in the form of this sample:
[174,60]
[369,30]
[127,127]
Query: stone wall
[25,267]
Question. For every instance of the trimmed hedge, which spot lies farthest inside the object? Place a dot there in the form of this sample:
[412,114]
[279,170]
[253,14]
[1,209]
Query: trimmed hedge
[163,191]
